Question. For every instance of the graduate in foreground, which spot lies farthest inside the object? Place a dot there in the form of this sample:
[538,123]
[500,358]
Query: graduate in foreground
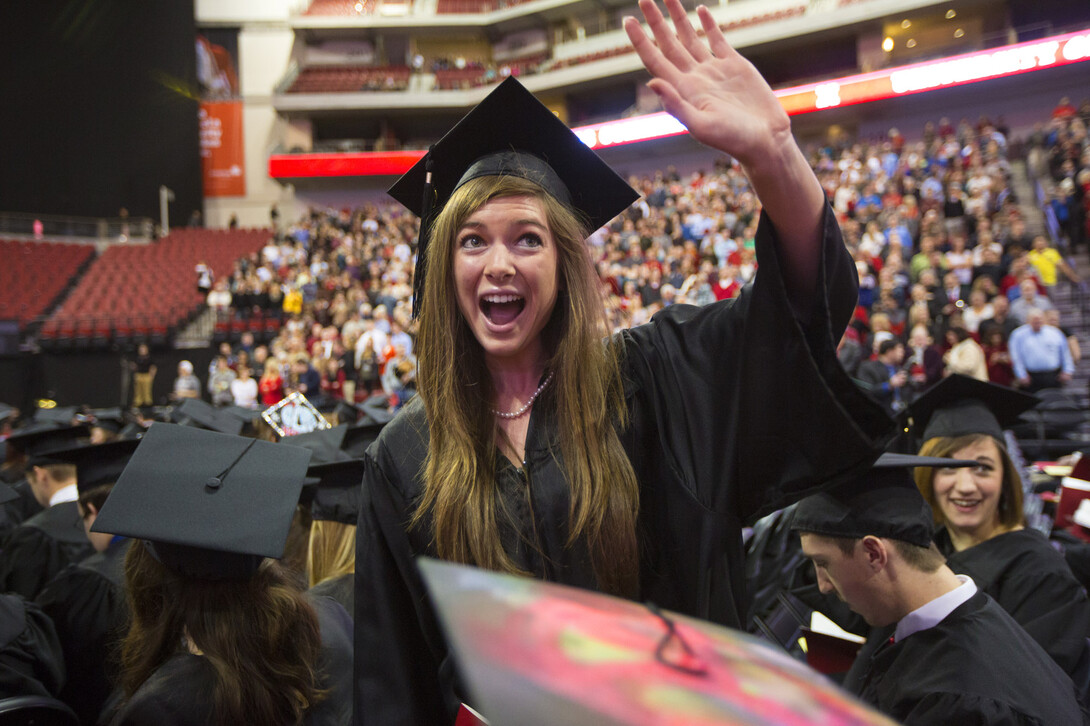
[626,465]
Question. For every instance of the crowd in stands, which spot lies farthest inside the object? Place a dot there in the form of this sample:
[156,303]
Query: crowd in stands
[948,271]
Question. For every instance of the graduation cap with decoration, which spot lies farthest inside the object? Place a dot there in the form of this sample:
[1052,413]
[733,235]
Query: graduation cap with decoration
[97,464]
[510,133]
[195,412]
[208,505]
[336,491]
[883,501]
[960,405]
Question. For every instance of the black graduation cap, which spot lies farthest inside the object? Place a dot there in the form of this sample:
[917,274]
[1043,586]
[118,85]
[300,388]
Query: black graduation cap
[959,405]
[511,133]
[97,464]
[195,412]
[6,412]
[883,502]
[210,505]
[38,438]
[324,444]
[111,419]
[358,438]
[59,415]
[336,496]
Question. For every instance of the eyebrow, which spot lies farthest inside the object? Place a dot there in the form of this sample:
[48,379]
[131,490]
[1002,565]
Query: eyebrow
[516,223]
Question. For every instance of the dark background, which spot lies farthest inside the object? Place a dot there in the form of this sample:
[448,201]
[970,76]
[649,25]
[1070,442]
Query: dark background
[99,107]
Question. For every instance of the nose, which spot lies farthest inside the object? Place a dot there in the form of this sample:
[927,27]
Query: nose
[964,481]
[498,263]
[825,585]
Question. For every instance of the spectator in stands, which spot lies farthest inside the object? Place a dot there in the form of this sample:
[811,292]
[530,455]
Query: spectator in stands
[925,365]
[1028,301]
[219,382]
[997,356]
[884,378]
[143,376]
[304,378]
[244,389]
[220,297]
[1047,260]
[271,385]
[1040,355]
[965,355]
[186,384]
[977,311]
[204,278]
[1052,317]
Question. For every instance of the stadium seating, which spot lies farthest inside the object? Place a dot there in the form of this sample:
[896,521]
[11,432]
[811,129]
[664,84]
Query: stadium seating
[143,293]
[350,79]
[33,274]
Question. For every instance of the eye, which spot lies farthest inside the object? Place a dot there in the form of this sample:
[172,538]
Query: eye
[470,242]
[983,468]
[531,240]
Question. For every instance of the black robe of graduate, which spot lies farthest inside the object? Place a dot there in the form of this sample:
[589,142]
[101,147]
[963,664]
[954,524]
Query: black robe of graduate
[17,511]
[342,589]
[31,659]
[41,547]
[1031,581]
[735,409]
[977,667]
[179,692]
[87,604]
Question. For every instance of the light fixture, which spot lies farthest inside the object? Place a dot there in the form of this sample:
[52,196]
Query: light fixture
[359,7]
[911,43]
[887,44]
[951,14]
[906,23]
[959,33]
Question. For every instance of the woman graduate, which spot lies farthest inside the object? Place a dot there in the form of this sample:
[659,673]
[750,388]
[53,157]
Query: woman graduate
[629,465]
[982,530]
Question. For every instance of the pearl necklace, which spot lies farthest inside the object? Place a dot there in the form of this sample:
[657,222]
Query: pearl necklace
[533,397]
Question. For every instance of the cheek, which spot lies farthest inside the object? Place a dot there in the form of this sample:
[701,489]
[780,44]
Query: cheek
[942,485]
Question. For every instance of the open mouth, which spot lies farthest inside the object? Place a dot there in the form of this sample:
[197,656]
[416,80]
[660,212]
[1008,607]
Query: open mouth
[502,309]
[965,505]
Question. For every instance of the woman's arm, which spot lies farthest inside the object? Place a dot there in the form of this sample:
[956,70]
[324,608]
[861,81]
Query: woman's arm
[726,104]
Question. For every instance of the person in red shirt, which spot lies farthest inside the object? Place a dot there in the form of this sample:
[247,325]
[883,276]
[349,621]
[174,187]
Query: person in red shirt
[271,385]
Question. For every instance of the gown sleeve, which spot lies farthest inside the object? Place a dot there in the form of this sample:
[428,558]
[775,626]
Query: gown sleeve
[89,613]
[31,659]
[751,407]
[29,559]
[399,652]
[963,709]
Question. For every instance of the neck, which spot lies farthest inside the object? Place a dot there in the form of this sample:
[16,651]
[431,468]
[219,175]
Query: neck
[963,539]
[916,588]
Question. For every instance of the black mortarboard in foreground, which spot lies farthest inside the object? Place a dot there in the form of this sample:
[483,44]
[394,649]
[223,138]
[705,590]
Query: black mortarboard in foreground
[959,405]
[211,506]
[510,133]
[883,502]
[337,491]
[195,412]
[98,464]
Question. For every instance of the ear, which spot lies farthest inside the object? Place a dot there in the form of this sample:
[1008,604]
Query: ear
[875,552]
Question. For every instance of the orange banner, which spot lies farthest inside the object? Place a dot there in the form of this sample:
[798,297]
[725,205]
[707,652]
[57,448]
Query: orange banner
[221,149]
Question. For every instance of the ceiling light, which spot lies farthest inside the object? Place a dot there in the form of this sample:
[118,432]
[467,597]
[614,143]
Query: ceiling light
[887,44]
[959,33]
[911,43]
[951,14]
[906,23]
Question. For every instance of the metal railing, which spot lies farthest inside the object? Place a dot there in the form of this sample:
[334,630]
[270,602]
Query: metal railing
[43,226]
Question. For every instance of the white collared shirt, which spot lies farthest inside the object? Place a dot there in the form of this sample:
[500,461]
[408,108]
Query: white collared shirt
[931,614]
[65,494]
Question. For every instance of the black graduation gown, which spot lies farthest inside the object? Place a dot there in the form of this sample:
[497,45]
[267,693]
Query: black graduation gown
[735,410]
[17,511]
[976,667]
[178,693]
[1033,583]
[41,547]
[340,589]
[87,604]
[31,659]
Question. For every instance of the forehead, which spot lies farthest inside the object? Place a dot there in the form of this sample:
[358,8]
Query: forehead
[816,545]
[509,209]
[984,446]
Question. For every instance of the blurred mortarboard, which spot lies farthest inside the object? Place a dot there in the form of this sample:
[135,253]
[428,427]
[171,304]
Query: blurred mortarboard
[111,419]
[336,493]
[959,405]
[359,437]
[210,505]
[511,133]
[38,438]
[345,412]
[883,502]
[59,415]
[97,464]
[324,444]
[195,412]
[6,411]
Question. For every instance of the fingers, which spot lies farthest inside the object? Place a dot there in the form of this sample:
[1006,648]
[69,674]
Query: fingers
[719,45]
[665,37]
[685,31]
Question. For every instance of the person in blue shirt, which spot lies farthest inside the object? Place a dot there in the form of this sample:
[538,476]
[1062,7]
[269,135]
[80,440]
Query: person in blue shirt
[1039,354]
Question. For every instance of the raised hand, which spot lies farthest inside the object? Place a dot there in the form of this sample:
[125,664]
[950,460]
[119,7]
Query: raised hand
[714,91]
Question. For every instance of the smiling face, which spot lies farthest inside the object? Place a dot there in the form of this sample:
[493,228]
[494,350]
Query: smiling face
[505,275]
[968,498]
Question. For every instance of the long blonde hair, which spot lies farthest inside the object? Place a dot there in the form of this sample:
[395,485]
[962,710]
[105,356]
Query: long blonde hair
[331,551]
[456,389]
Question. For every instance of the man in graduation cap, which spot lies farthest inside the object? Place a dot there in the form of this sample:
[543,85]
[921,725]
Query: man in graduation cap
[628,465]
[944,651]
[44,544]
[86,600]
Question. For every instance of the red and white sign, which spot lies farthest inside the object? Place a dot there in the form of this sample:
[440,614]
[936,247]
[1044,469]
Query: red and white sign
[222,160]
